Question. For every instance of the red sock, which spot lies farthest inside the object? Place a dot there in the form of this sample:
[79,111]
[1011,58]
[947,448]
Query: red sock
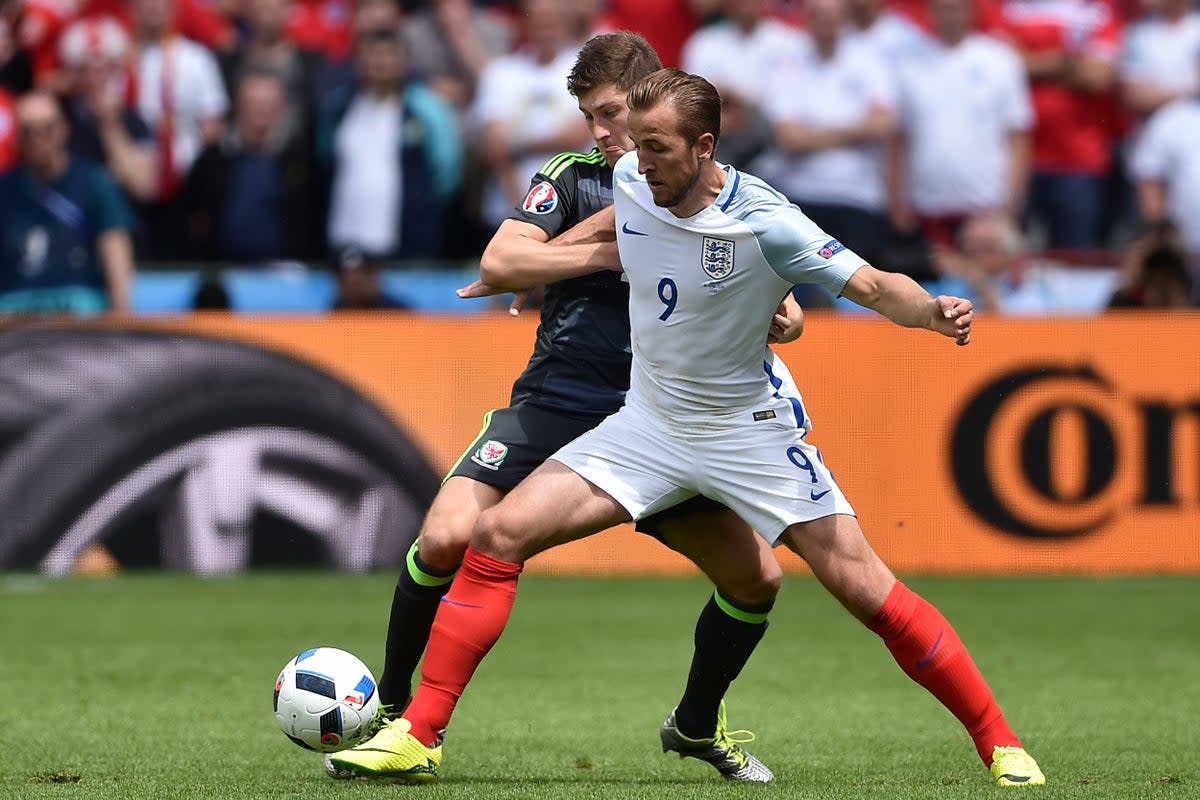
[929,651]
[470,619]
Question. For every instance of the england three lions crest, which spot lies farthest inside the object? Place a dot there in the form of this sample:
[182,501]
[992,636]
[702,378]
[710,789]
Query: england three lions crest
[717,257]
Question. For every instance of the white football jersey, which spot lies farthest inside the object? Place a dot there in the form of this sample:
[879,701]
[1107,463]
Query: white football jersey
[703,291]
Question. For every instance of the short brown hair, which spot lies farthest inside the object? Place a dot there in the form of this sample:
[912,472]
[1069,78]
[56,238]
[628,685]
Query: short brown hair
[622,58]
[696,101]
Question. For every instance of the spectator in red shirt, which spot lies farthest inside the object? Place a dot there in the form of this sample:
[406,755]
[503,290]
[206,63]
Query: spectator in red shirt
[198,20]
[42,23]
[326,26]
[665,24]
[39,27]
[1070,50]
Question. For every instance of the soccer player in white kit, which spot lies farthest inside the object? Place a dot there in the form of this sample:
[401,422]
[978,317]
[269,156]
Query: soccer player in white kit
[708,252]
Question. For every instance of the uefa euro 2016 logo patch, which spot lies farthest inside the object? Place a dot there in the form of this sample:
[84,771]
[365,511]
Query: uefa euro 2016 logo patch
[542,199]
[357,697]
[831,248]
[716,257]
[491,454]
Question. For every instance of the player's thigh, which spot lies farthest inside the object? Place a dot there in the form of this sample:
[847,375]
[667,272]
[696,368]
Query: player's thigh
[554,505]
[738,561]
[515,441]
[451,518]
[842,559]
[634,458]
[769,474]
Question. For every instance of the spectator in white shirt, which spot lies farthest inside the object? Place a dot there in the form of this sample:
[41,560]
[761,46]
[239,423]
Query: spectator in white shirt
[965,117]
[827,155]
[736,55]
[181,95]
[1160,56]
[523,112]
[392,151]
[892,38]
[1166,167]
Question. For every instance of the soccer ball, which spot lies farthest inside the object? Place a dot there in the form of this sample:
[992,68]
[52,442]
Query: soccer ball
[325,699]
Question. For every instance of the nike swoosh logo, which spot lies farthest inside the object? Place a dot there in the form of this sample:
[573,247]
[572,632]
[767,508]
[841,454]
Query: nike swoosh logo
[626,229]
[815,495]
[460,605]
[924,662]
[1015,778]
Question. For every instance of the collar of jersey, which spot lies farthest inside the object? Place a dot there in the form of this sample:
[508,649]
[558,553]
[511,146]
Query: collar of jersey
[729,191]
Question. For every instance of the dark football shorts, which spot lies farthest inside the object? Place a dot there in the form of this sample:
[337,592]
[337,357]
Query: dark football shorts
[516,440]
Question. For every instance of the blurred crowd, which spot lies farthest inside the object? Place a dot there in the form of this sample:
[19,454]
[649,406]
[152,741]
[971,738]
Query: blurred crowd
[962,141]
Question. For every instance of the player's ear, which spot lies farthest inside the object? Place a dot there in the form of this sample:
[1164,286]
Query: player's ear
[706,146]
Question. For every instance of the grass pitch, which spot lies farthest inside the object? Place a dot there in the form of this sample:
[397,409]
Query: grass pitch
[158,686]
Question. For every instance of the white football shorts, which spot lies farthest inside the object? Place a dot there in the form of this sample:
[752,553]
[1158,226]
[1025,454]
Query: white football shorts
[762,469]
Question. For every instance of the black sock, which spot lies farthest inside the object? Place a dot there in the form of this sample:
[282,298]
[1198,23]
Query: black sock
[726,634]
[419,589]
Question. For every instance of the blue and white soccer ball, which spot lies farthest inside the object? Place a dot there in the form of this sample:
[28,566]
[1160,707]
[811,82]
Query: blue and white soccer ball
[325,699]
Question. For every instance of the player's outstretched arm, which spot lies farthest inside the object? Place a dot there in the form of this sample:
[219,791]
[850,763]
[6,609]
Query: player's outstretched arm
[520,256]
[599,227]
[903,301]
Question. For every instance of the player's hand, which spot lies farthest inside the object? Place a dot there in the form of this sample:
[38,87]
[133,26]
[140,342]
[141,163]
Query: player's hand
[478,289]
[518,303]
[952,317]
[784,327]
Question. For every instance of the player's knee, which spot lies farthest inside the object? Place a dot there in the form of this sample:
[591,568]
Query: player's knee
[760,589]
[444,541]
[497,535]
[770,582]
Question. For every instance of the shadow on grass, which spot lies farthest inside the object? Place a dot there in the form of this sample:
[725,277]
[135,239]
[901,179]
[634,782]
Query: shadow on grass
[461,781]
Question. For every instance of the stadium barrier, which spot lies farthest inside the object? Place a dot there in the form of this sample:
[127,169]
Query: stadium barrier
[1081,286]
[1046,446]
[293,288]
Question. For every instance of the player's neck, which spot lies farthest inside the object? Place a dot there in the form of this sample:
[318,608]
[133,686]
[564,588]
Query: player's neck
[708,187]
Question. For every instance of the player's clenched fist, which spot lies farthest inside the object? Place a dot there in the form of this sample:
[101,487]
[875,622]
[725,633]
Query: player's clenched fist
[952,317]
